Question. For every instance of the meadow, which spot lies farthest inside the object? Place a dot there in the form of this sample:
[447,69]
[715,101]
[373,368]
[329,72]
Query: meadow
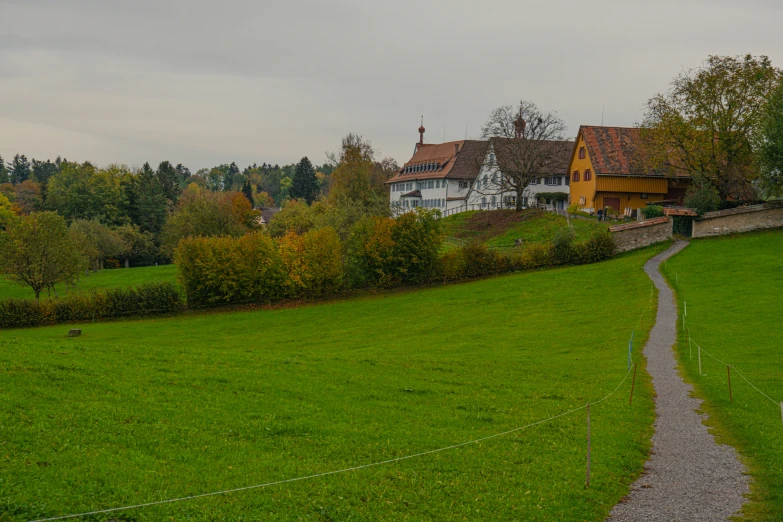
[118,277]
[143,410]
[733,288]
[503,227]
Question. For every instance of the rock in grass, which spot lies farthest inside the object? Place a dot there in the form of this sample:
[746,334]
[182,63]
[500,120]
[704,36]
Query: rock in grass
[74,333]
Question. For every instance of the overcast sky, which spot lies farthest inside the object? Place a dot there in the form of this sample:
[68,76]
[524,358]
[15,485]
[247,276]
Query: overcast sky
[205,82]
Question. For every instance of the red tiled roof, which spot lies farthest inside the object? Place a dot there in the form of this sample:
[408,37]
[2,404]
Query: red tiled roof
[639,224]
[412,194]
[669,211]
[557,154]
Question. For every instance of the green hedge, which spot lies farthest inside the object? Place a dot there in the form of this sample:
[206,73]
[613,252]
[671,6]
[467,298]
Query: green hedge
[156,298]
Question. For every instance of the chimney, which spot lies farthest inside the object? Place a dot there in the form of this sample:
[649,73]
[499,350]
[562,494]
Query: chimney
[421,132]
[456,149]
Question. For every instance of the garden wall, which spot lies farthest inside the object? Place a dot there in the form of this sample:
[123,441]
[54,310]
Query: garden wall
[741,219]
[641,233]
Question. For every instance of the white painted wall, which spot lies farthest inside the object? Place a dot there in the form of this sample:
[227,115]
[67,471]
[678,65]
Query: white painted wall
[488,184]
[434,194]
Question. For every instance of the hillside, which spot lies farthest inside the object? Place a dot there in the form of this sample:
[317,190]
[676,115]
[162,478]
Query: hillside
[501,228]
[733,286]
[139,411]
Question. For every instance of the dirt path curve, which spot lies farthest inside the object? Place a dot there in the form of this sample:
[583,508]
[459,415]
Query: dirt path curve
[688,476]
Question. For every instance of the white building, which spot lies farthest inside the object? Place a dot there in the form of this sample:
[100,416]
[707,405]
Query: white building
[437,176]
[491,189]
[465,175]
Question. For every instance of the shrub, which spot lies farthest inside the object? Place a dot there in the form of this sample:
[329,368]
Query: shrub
[371,252]
[563,252]
[155,298]
[599,247]
[573,208]
[313,262]
[535,255]
[652,211]
[472,260]
[702,196]
[228,270]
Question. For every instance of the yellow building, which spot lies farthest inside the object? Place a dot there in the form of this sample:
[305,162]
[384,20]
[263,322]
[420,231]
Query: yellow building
[606,172]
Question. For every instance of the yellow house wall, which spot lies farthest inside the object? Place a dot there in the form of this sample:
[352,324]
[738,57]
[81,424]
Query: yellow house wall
[627,200]
[581,188]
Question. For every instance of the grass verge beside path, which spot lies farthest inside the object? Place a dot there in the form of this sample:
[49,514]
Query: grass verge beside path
[733,287]
[139,411]
[118,277]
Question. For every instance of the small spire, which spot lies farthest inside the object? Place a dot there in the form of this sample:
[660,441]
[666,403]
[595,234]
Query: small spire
[421,131]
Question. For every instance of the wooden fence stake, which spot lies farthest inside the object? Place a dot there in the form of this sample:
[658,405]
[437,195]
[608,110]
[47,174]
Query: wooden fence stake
[587,483]
[633,382]
[728,372]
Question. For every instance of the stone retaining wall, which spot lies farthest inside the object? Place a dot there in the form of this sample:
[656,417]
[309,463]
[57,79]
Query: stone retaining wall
[642,233]
[738,220]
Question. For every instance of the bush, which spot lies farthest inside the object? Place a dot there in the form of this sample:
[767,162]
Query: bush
[230,270]
[702,196]
[536,255]
[384,252]
[563,252]
[573,208]
[599,247]
[156,298]
[472,260]
[652,211]
[313,262]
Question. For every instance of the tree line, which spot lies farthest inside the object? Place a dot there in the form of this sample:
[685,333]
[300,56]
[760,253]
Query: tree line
[115,216]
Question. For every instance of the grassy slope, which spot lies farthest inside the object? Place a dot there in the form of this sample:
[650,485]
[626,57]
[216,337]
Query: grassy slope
[734,292]
[102,279]
[137,411]
[532,225]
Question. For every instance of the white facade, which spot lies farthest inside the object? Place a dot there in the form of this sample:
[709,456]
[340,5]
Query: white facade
[443,194]
[487,192]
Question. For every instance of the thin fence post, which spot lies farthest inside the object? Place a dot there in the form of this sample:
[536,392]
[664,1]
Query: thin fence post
[587,483]
[633,382]
[699,350]
[728,372]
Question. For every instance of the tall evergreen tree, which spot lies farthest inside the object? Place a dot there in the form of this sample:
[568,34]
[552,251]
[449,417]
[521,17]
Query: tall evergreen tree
[247,191]
[3,172]
[150,208]
[305,184]
[20,169]
[183,171]
[169,180]
[230,177]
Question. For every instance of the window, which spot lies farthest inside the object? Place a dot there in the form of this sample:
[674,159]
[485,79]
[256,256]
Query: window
[485,181]
[551,180]
[582,153]
[463,184]
[430,184]
[492,200]
[483,201]
[575,176]
[588,175]
[534,181]
[644,196]
[567,180]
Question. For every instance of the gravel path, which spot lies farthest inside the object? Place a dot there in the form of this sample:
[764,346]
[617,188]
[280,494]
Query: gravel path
[688,476]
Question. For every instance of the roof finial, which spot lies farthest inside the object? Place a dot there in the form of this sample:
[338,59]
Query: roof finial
[519,125]
[421,131]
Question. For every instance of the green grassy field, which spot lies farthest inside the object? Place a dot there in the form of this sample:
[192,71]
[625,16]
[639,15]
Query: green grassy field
[139,411]
[733,287]
[500,228]
[104,279]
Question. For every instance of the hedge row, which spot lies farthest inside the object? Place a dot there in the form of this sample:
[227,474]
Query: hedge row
[155,298]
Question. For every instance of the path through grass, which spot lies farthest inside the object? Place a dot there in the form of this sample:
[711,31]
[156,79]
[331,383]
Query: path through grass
[138,411]
[733,287]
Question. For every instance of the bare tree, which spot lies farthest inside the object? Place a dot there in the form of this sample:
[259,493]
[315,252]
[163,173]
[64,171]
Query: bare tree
[525,144]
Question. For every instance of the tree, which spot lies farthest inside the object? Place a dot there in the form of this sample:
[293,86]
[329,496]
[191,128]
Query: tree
[202,213]
[305,184]
[355,178]
[183,172]
[150,211]
[169,180]
[6,212]
[42,172]
[37,251]
[96,241]
[770,146]
[139,246]
[702,195]
[247,191]
[705,125]
[28,197]
[20,169]
[526,143]
[3,172]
